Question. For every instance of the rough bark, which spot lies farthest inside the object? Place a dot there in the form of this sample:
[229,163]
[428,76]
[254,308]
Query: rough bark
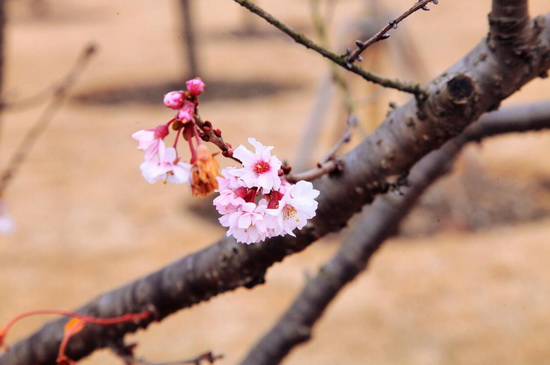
[456,98]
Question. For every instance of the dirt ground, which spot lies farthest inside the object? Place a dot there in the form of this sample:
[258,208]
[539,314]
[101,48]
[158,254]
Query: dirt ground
[87,222]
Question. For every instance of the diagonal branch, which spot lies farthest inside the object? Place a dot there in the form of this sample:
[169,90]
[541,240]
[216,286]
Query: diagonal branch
[378,223]
[458,97]
[383,33]
[408,87]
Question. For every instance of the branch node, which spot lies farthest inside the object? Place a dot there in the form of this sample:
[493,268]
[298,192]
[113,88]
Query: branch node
[460,88]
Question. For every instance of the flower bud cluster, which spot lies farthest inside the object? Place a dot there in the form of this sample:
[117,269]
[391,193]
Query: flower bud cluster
[256,201]
[163,163]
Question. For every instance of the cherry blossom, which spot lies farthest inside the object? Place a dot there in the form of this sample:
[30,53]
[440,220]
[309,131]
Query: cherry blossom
[258,205]
[186,112]
[167,168]
[228,202]
[246,224]
[151,140]
[260,168]
[295,207]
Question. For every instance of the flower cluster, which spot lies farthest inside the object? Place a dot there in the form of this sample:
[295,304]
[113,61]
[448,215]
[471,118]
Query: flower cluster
[162,162]
[256,202]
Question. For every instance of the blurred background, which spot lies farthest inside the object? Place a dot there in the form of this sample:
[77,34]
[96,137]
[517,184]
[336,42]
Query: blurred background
[467,281]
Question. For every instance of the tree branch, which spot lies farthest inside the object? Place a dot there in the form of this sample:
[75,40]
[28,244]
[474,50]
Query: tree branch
[383,33]
[404,86]
[378,223]
[456,98]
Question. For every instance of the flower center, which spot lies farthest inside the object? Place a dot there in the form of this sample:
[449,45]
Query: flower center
[261,167]
[290,212]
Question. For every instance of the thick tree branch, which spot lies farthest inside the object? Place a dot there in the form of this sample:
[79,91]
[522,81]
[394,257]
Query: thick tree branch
[378,223]
[458,97]
[509,26]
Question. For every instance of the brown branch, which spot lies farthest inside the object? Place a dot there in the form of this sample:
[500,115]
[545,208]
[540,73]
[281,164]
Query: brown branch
[509,26]
[329,163]
[214,136]
[404,86]
[310,175]
[383,33]
[456,98]
[378,223]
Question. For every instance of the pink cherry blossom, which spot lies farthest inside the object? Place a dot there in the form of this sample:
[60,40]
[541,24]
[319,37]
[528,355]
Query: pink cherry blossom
[229,179]
[174,99]
[256,203]
[295,208]
[228,202]
[246,224]
[167,168]
[151,140]
[195,86]
[187,111]
[260,168]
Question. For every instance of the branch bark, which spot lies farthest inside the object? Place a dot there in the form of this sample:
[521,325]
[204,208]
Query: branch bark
[473,86]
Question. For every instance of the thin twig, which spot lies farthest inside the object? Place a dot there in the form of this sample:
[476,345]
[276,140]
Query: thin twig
[59,94]
[328,163]
[345,138]
[30,101]
[309,175]
[383,33]
[408,87]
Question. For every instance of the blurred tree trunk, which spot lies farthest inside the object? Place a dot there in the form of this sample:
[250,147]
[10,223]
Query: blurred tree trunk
[249,22]
[39,8]
[189,39]
[2,64]
[2,43]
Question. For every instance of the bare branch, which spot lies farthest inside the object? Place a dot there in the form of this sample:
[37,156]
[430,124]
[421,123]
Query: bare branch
[383,33]
[407,87]
[378,223]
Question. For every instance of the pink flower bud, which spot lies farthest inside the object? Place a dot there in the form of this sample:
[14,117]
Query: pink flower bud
[186,112]
[174,99]
[195,86]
